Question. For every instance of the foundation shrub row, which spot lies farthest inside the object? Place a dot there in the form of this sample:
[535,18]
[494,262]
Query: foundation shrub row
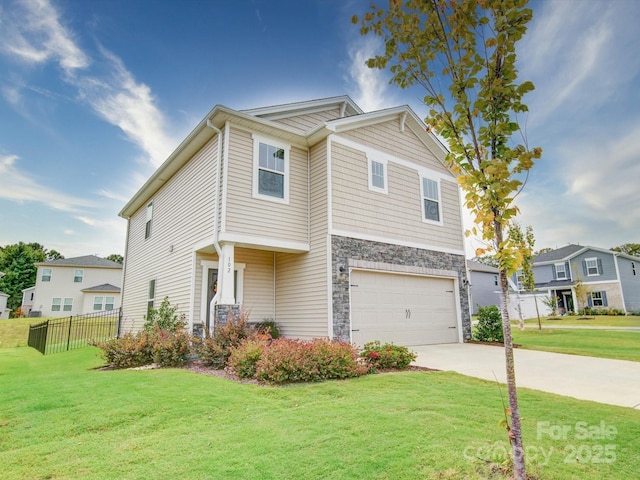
[251,351]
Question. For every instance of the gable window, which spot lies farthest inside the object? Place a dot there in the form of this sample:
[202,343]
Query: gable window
[598,299]
[151,297]
[561,271]
[271,170]
[431,201]
[46,274]
[78,275]
[495,279]
[378,176]
[147,225]
[591,267]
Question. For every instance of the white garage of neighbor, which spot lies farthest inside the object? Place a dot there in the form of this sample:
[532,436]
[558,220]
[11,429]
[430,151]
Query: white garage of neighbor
[403,308]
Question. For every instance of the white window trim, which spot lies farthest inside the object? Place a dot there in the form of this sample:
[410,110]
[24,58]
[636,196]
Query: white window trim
[49,275]
[69,304]
[599,297]
[564,271]
[95,303]
[594,259]
[54,304]
[81,276]
[148,224]
[423,197]
[257,140]
[385,175]
[103,302]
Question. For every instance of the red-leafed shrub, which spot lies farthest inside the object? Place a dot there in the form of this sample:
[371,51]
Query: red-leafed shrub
[386,356]
[243,359]
[215,350]
[287,361]
[169,348]
[127,351]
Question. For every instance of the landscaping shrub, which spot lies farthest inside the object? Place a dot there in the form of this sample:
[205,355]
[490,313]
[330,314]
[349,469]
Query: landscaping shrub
[288,360]
[489,328]
[165,317]
[127,351]
[387,356]
[268,327]
[169,348]
[243,359]
[215,350]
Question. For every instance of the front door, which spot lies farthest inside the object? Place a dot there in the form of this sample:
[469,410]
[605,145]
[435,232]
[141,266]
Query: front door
[568,301]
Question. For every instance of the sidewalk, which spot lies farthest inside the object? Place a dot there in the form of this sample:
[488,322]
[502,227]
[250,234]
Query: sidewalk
[615,382]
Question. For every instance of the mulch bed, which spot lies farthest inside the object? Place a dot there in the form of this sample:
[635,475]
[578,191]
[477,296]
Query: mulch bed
[493,344]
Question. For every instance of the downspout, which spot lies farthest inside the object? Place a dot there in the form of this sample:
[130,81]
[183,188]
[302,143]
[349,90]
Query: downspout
[216,245]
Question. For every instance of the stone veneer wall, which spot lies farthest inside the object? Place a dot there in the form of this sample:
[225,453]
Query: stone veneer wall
[351,252]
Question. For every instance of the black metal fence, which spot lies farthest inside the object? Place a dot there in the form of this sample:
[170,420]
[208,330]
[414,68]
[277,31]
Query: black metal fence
[62,334]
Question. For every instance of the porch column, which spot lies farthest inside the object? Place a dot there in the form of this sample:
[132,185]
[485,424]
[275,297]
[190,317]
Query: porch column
[226,287]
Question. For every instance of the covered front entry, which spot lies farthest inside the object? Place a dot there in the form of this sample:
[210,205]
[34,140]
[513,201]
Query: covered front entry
[403,309]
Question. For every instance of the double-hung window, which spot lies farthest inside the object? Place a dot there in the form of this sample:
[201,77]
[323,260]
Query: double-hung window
[598,299]
[591,266]
[431,205]
[271,170]
[46,274]
[97,304]
[103,303]
[147,225]
[151,297]
[378,176]
[56,304]
[78,275]
[561,271]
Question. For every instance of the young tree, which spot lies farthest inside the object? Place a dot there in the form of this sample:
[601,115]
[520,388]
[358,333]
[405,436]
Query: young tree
[462,53]
[524,241]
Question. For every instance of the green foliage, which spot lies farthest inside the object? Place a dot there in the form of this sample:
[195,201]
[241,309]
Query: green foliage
[288,361]
[243,359]
[269,327]
[164,317]
[215,351]
[552,302]
[114,257]
[600,311]
[387,356]
[489,328]
[169,348]
[523,242]
[632,249]
[17,262]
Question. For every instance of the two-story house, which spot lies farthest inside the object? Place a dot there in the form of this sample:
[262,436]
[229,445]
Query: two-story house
[74,286]
[333,222]
[611,279]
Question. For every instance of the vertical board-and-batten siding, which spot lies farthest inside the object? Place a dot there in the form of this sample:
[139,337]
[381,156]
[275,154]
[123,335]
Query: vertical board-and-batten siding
[246,215]
[183,211]
[311,120]
[302,308]
[397,215]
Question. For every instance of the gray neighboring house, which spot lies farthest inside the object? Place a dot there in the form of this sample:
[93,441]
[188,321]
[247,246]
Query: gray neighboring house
[484,287]
[612,278]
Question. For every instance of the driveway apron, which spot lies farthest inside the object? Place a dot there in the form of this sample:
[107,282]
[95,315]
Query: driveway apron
[615,382]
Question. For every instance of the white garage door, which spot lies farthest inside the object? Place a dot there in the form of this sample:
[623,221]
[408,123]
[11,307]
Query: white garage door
[403,309]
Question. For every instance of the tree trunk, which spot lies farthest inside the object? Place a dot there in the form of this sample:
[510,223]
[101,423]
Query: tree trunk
[515,434]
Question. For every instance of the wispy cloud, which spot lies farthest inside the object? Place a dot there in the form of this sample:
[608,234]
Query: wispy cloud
[18,186]
[372,92]
[33,33]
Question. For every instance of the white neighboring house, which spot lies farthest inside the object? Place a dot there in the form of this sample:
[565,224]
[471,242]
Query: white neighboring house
[4,311]
[74,286]
[27,300]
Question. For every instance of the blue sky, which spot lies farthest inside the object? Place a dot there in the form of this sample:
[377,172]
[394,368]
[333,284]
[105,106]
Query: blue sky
[95,94]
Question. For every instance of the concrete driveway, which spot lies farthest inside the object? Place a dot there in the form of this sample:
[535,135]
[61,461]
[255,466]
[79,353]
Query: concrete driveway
[616,382]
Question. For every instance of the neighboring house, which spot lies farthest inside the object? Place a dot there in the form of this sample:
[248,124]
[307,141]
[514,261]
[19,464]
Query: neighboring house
[484,285]
[28,295]
[333,222]
[4,311]
[73,286]
[611,279]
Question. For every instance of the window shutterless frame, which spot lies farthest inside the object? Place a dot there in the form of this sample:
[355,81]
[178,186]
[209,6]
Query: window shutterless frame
[431,203]
[270,169]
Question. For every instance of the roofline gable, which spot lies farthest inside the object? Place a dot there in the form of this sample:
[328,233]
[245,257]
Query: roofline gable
[309,106]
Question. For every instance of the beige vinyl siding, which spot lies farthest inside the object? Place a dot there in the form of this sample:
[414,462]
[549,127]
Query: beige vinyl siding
[258,217]
[302,310]
[183,212]
[388,138]
[311,120]
[396,215]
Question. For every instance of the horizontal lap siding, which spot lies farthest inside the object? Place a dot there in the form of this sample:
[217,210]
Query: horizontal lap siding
[183,212]
[388,138]
[257,217]
[311,120]
[396,215]
[301,279]
[258,283]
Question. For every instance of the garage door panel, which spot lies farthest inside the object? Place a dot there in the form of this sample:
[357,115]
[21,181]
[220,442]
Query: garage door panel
[403,309]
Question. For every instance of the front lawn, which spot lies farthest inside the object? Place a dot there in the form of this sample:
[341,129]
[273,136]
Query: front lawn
[62,419]
[14,332]
[594,343]
[587,321]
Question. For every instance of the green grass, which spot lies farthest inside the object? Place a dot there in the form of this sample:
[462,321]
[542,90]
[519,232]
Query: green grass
[595,343]
[62,419]
[588,321]
[15,331]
